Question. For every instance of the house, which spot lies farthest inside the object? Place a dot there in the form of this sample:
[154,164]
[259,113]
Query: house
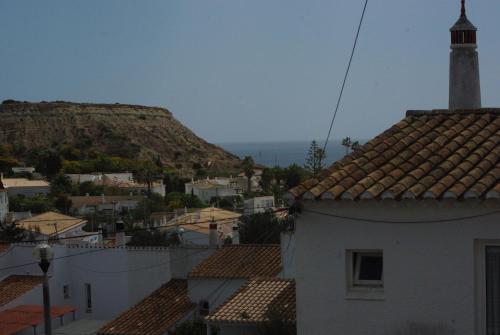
[26,187]
[4,203]
[254,303]
[114,204]
[259,204]
[206,226]
[99,282]
[212,286]
[121,180]
[208,189]
[403,235]
[54,226]
[242,181]
[23,169]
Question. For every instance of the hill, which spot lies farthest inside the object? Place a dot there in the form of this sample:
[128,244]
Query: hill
[127,131]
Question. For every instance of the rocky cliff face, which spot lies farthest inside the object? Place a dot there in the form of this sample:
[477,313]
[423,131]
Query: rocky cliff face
[123,130]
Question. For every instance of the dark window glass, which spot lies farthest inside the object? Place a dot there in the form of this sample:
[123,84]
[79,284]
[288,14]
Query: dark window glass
[370,268]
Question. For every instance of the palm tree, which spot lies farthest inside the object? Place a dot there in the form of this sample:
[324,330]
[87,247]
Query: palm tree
[248,169]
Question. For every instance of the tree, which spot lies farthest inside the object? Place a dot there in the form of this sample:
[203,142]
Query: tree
[355,145]
[260,228]
[248,169]
[266,179]
[10,232]
[294,175]
[153,238]
[347,142]
[277,323]
[146,173]
[314,159]
[144,208]
[60,185]
[278,174]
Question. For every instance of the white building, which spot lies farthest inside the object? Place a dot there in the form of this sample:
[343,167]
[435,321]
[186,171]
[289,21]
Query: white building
[23,169]
[4,203]
[206,226]
[54,226]
[259,204]
[107,204]
[26,187]
[207,189]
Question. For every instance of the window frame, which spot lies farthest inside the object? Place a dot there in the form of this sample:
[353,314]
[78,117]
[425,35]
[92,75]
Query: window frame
[357,257]
[365,289]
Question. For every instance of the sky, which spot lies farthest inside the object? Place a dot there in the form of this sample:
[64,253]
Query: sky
[241,70]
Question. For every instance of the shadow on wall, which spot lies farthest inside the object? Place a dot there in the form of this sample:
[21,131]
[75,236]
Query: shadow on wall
[413,328]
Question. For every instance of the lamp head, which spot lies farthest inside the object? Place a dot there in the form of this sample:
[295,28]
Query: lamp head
[43,253]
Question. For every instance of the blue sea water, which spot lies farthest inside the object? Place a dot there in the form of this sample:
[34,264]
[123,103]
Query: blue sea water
[282,153]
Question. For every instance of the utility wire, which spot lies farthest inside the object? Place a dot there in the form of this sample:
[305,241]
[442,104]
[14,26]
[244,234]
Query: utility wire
[346,74]
[403,222]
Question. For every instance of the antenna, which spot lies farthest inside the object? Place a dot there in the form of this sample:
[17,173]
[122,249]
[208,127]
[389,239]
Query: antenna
[463,8]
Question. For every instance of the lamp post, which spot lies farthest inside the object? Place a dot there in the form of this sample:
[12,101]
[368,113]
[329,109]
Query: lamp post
[44,254]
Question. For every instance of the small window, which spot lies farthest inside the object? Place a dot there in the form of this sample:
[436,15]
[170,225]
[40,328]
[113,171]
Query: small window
[88,298]
[368,269]
[66,291]
[365,274]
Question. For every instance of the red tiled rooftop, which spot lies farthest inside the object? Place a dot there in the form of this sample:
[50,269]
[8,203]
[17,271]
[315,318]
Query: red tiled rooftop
[155,314]
[26,317]
[428,155]
[253,301]
[15,286]
[240,261]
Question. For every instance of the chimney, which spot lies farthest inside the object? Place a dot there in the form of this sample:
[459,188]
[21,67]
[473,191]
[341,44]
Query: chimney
[213,234]
[465,90]
[236,234]
[100,238]
[120,234]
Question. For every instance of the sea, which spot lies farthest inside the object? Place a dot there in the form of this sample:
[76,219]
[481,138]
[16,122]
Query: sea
[283,153]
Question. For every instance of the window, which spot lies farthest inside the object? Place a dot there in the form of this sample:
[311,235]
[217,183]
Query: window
[365,274]
[66,291]
[88,298]
[368,269]
[204,307]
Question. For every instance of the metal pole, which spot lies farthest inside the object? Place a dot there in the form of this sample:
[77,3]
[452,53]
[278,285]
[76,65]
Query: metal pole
[46,298]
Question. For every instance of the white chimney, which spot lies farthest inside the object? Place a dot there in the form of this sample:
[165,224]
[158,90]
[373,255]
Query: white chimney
[236,234]
[213,234]
[100,238]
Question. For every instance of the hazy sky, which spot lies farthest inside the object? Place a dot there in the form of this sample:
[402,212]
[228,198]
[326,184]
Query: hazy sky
[244,70]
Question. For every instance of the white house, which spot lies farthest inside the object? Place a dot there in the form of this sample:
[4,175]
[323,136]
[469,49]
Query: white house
[98,283]
[54,226]
[107,204]
[403,235]
[4,202]
[259,204]
[207,189]
[26,187]
[206,226]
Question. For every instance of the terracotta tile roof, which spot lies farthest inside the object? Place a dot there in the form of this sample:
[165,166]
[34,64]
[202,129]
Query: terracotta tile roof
[50,223]
[155,314]
[200,220]
[428,155]
[251,303]
[240,261]
[15,286]
[23,182]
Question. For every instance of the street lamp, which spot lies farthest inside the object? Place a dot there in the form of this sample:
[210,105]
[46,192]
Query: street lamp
[44,254]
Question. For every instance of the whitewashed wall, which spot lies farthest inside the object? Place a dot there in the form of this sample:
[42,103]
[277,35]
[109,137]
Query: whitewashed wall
[119,277]
[429,268]
[215,290]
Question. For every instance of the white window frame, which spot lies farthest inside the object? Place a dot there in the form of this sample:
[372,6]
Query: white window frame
[357,261]
[362,289]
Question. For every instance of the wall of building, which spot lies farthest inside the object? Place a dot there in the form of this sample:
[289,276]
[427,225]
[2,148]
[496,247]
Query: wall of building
[183,259]
[429,268]
[236,329]
[4,205]
[28,191]
[215,290]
